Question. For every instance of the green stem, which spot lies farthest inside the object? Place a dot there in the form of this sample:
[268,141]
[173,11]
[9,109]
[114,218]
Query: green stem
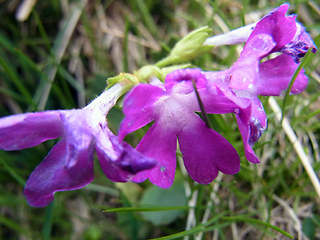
[164,62]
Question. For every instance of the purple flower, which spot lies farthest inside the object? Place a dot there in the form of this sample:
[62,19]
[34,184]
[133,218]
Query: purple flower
[249,77]
[173,106]
[290,36]
[69,164]
[273,33]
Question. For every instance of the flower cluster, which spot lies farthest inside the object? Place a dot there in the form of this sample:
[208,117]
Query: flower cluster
[172,106]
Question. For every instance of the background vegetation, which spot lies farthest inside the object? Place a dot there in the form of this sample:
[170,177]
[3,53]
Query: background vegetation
[59,58]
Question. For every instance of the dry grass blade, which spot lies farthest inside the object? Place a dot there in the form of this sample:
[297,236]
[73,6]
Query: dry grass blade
[25,9]
[59,51]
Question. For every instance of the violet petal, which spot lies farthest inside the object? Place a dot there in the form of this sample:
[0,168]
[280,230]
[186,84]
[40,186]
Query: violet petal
[159,144]
[275,75]
[29,129]
[205,152]
[119,161]
[187,74]
[137,108]
[217,101]
[258,121]
[282,28]
[53,174]
[252,121]
[244,72]
[244,130]
[299,45]
[79,130]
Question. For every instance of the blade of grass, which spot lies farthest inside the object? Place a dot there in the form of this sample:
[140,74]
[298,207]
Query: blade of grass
[201,106]
[147,18]
[13,225]
[192,231]
[47,225]
[258,222]
[15,78]
[305,60]
[12,94]
[12,172]
[42,31]
[64,96]
[23,57]
[132,218]
[146,209]
[125,46]
[70,79]
[197,229]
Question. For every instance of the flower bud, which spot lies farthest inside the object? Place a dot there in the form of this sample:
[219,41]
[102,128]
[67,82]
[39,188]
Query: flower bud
[188,47]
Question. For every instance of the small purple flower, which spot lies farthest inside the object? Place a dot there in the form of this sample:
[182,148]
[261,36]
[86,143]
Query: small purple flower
[275,32]
[173,106]
[249,77]
[290,36]
[69,164]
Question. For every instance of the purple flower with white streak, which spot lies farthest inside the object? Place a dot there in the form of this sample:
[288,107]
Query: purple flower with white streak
[69,164]
[249,77]
[173,106]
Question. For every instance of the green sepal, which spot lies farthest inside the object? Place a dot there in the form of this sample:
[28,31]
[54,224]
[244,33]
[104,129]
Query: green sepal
[146,72]
[126,78]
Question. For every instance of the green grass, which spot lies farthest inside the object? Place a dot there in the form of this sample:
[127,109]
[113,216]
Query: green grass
[61,56]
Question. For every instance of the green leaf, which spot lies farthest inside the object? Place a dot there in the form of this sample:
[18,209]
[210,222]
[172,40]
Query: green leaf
[155,196]
[308,228]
